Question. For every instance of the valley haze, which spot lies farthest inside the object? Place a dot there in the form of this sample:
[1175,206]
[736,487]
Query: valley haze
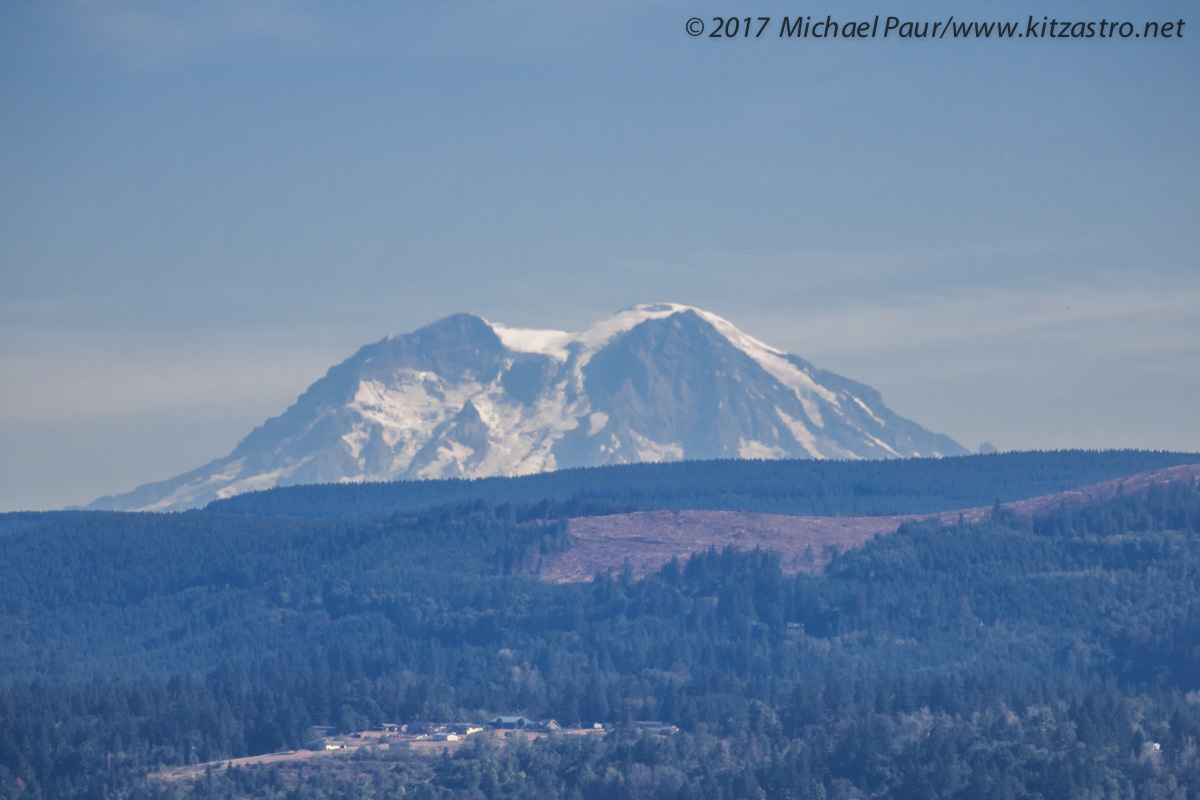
[465,397]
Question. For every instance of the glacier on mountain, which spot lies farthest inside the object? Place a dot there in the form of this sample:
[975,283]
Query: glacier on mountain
[465,397]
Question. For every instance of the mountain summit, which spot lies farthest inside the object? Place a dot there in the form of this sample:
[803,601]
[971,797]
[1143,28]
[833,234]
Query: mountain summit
[467,398]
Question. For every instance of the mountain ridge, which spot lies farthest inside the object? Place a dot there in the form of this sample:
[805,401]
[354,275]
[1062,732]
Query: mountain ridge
[466,397]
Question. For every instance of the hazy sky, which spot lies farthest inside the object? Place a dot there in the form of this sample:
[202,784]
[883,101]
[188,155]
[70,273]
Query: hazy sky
[204,206]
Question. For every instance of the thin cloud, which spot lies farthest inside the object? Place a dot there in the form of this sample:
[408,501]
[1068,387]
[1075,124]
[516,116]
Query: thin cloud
[1130,318]
[147,33]
[827,267]
[53,376]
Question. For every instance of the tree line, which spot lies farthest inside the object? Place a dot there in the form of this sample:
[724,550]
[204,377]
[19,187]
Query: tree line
[1058,655]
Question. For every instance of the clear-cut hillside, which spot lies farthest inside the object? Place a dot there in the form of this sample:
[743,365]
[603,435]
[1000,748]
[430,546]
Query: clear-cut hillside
[468,398]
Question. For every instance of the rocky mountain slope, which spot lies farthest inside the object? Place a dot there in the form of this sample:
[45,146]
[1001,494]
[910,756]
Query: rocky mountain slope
[464,397]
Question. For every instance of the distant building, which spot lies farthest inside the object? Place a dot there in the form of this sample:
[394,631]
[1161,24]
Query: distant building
[511,723]
[325,743]
[445,736]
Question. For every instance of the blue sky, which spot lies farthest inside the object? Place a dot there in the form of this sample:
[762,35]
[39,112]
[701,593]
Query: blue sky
[204,206]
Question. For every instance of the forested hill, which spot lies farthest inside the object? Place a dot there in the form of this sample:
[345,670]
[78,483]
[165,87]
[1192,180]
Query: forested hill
[1052,656]
[910,486]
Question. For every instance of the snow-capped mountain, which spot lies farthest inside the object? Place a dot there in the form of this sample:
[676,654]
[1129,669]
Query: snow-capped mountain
[468,398]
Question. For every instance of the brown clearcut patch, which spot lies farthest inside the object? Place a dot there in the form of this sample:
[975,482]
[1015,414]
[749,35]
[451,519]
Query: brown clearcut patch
[647,540]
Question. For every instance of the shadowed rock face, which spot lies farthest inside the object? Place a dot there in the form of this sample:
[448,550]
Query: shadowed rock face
[467,398]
